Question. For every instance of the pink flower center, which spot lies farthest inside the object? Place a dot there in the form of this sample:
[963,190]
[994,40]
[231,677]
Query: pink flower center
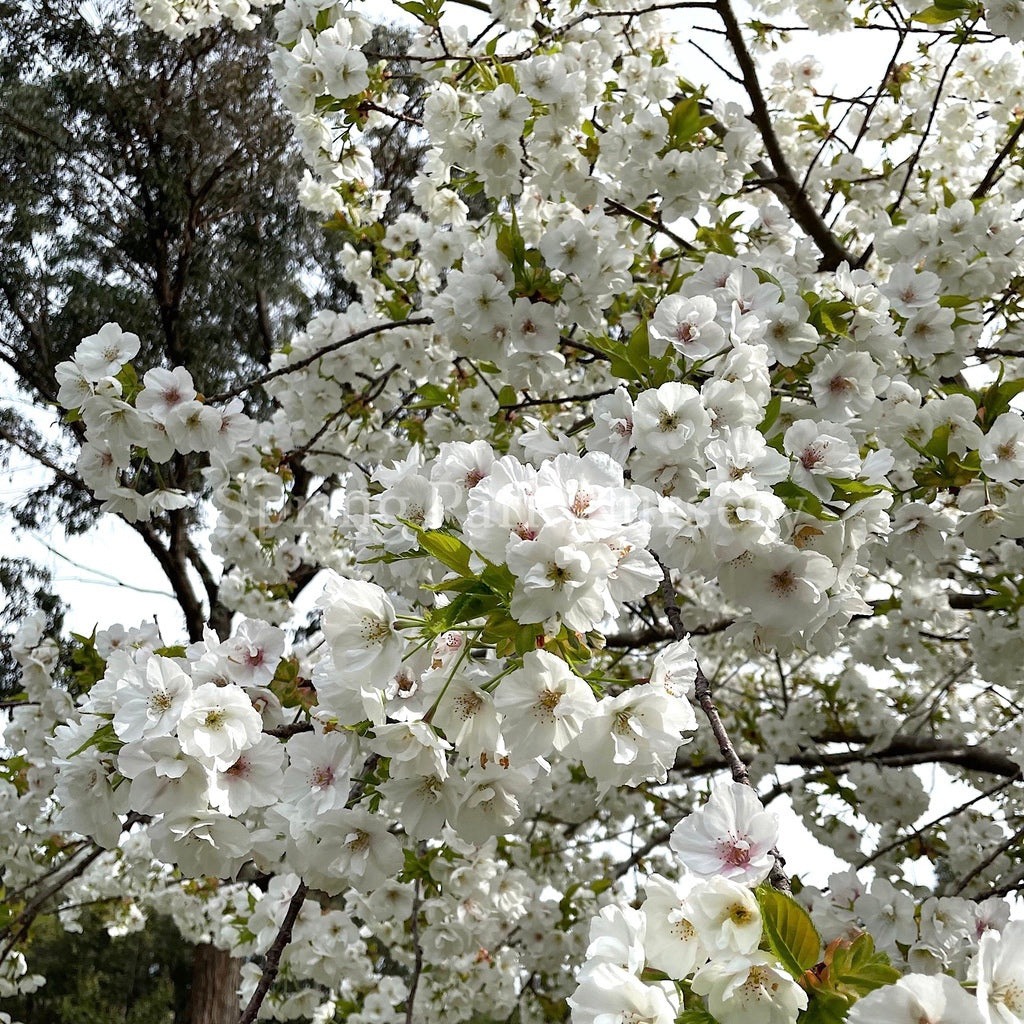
[253,657]
[736,852]
[811,456]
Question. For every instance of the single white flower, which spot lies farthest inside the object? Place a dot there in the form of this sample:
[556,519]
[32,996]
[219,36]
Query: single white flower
[617,937]
[217,724]
[609,994]
[671,941]
[933,999]
[103,354]
[202,843]
[730,835]
[544,705]
[999,967]
[751,990]
[359,624]
[725,915]
[151,699]
[633,738]
[346,847]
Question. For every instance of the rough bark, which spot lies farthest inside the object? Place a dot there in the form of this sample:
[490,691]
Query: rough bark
[215,979]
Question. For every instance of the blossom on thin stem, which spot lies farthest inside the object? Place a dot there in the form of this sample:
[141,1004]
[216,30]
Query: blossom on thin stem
[730,835]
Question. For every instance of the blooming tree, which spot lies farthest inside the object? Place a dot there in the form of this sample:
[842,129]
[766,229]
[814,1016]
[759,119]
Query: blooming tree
[667,464]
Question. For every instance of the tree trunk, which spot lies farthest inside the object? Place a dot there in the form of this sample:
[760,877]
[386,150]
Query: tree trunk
[215,979]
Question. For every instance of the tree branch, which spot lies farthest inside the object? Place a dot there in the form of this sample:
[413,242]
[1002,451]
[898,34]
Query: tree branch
[301,364]
[417,965]
[702,693]
[991,174]
[272,963]
[784,183]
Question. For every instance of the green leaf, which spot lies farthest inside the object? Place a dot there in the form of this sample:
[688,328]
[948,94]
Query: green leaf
[87,667]
[103,739]
[789,930]
[447,549]
[825,1008]
[499,579]
[696,1016]
[473,604]
[175,651]
[995,400]
[955,301]
[828,317]
[847,972]
[432,395]
[935,16]
[129,380]
[801,500]
[684,122]
[854,490]
[766,278]
[638,351]
[629,361]
[771,413]
[859,969]
[938,443]
[511,244]
[417,10]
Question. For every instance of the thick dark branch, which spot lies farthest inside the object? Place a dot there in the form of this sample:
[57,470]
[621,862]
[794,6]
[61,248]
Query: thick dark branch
[907,750]
[993,171]
[900,752]
[784,182]
[272,964]
[285,732]
[173,568]
[220,617]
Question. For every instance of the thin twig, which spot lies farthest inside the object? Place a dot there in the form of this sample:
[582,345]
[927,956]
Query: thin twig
[417,965]
[301,364]
[564,400]
[702,693]
[917,833]
[640,852]
[17,928]
[894,206]
[658,225]
[966,879]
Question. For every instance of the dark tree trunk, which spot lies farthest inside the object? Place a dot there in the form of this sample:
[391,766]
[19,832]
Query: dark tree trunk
[215,979]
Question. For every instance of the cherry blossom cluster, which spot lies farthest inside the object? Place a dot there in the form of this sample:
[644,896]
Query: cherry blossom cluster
[130,430]
[636,364]
[711,939]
